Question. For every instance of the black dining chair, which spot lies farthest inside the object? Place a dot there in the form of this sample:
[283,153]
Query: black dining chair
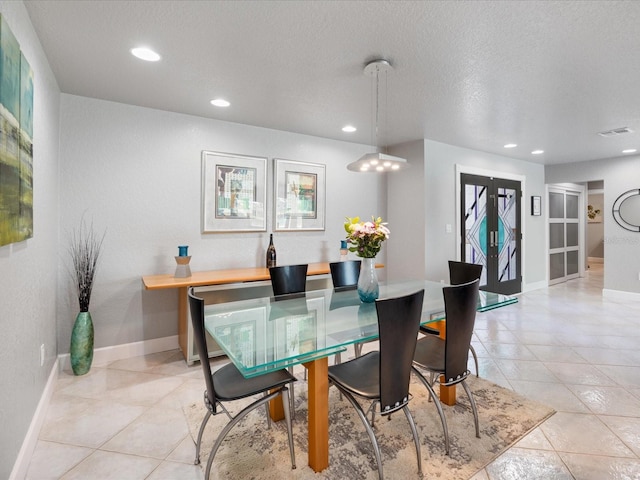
[383,376]
[228,384]
[446,359]
[289,281]
[460,272]
[344,275]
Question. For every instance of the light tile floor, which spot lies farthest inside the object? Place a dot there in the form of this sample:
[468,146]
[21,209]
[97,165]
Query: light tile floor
[565,346]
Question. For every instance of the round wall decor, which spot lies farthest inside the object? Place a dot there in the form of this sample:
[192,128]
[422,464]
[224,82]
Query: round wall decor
[626,210]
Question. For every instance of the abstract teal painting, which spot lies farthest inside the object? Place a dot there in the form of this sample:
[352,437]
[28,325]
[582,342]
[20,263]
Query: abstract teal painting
[16,140]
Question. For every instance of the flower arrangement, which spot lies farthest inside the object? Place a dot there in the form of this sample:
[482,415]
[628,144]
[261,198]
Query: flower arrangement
[366,237]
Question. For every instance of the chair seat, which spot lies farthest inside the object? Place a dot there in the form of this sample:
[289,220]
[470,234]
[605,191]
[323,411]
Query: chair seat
[360,376]
[430,353]
[428,330]
[230,384]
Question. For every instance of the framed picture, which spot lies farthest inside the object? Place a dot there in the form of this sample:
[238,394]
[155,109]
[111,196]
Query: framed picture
[299,195]
[233,193]
[595,207]
[536,206]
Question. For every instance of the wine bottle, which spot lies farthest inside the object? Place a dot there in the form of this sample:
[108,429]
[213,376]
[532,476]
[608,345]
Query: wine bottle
[271,253]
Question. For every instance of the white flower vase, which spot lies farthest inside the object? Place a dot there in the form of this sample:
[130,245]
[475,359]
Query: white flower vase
[368,289]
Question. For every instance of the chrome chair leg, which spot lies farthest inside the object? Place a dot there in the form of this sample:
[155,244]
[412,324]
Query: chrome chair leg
[412,424]
[200,432]
[473,407]
[475,359]
[365,422]
[266,407]
[234,420]
[292,396]
[436,401]
[287,417]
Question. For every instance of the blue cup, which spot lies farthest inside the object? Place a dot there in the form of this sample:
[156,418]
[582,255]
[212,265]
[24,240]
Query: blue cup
[182,251]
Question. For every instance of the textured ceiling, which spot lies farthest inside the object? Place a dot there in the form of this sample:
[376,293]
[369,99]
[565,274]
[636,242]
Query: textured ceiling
[542,74]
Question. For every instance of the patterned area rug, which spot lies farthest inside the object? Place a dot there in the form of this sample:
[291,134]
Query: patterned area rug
[251,451]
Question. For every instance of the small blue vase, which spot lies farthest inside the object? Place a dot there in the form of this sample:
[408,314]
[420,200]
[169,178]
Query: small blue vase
[368,289]
[81,351]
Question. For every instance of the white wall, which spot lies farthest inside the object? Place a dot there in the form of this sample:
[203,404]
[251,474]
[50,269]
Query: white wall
[428,188]
[136,172]
[406,215]
[621,247]
[595,231]
[28,269]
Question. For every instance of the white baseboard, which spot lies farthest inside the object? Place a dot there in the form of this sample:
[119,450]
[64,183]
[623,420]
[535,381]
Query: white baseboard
[21,465]
[619,295]
[102,356]
[535,286]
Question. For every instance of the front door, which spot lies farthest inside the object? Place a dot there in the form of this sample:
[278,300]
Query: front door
[490,215]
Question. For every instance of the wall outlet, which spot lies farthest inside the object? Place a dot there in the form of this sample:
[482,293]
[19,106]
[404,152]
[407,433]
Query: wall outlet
[638,275]
[42,355]
[447,228]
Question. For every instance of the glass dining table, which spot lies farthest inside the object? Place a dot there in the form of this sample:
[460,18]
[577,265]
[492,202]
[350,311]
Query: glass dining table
[260,335]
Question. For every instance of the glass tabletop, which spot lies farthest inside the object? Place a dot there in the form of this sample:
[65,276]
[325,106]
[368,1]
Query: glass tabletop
[264,334]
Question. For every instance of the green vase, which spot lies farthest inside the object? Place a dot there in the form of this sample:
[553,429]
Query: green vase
[82,344]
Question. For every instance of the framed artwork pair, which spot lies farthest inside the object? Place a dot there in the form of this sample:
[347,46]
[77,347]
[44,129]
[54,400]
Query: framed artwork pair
[235,192]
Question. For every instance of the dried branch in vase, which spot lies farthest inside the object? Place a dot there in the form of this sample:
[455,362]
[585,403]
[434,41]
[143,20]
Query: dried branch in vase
[85,249]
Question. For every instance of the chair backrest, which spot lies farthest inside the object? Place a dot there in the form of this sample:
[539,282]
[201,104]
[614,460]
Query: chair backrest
[398,322]
[460,303]
[196,306]
[461,272]
[288,279]
[345,274]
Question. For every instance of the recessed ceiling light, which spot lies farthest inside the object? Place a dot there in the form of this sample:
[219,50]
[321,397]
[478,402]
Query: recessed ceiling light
[349,129]
[220,102]
[537,152]
[144,53]
[630,150]
[511,145]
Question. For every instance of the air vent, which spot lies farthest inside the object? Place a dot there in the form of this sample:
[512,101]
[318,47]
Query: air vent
[615,132]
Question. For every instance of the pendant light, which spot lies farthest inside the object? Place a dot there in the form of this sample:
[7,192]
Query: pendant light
[376,161]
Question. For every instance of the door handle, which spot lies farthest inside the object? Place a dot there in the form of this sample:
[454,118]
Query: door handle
[491,239]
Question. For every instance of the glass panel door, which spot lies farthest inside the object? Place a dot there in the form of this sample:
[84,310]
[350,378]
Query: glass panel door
[508,214]
[491,220]
[564,234]
[475,227]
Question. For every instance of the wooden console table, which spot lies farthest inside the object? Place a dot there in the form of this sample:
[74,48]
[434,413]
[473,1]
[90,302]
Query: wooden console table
[221,286]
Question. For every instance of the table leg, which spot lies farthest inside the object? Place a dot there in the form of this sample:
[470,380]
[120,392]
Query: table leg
[447,394]
[318,385]
[183,319]
[276,410]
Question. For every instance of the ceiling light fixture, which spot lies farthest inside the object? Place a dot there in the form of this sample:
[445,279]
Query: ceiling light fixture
[537,152]
[377,161]
[349,129]
[146,54]
[630,150]
[220,102]
[511,145]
